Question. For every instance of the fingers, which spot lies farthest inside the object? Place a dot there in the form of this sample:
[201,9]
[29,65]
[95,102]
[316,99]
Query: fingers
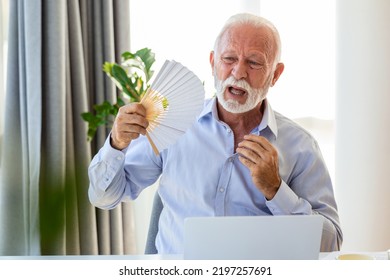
[247,162]
[261,158]
[259,140]
[131,119]
[129,123]
[255,148]
[131,108]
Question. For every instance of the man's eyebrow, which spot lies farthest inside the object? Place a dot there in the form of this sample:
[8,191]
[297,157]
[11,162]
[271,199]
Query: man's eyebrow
[258,56]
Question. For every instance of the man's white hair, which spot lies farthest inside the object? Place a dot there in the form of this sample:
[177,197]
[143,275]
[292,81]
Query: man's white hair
[256,21]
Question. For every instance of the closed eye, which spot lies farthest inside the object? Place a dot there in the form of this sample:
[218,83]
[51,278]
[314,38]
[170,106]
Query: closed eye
[255,64]
[229,59]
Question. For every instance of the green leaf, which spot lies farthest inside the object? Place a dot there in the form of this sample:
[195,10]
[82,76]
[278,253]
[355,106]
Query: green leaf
[107,67]
[132,84]
[148,58]
[143,60]
[127,56]
[104,107]
[87,116]
[120,102]
[127,85]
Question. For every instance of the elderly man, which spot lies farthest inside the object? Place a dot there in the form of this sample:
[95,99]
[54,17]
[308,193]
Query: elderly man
[238,158]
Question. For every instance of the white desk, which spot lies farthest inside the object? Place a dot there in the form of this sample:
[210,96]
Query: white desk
[377,255]
[323,256]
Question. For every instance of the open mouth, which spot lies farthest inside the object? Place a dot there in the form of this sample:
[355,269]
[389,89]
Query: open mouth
[236,91]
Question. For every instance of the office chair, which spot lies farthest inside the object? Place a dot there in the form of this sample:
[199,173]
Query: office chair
[150,246]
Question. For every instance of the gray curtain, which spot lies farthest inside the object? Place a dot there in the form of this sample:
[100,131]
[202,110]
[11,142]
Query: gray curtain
[56,52]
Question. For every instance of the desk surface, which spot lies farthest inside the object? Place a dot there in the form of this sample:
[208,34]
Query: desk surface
[323,256]
[377,255]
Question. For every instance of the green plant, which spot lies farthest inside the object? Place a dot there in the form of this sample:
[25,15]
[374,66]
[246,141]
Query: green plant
[131,77]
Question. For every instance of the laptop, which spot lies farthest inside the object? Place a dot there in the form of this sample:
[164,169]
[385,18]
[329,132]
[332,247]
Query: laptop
[294,237]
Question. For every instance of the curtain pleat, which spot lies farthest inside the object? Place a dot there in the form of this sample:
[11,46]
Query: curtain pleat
[56,53]
[103,228]
[19,215]
[53,164]
[121,23]
[129,244]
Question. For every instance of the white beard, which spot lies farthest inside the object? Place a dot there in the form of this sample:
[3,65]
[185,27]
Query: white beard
[255,96]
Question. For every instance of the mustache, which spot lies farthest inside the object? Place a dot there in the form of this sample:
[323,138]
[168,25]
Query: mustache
[231,81]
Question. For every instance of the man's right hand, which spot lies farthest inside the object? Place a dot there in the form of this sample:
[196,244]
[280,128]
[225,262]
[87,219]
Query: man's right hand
[129,123]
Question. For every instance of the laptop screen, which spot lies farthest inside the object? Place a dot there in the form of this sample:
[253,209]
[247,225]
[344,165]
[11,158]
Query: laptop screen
[294,237]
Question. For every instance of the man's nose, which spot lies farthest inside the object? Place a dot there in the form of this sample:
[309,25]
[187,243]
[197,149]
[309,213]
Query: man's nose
[239,70]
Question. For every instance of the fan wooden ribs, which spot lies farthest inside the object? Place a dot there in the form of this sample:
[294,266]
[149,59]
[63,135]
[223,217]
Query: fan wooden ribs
[172,103]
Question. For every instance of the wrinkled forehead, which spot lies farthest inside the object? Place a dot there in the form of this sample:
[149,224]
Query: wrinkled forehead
[247,37]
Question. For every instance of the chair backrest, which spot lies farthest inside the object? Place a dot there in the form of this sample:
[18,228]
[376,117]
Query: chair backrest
[150,246]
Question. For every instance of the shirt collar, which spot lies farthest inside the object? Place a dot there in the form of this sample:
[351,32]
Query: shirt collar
[210,107]
[268,119]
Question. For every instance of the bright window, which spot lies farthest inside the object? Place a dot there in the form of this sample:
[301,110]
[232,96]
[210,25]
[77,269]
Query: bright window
[185,31]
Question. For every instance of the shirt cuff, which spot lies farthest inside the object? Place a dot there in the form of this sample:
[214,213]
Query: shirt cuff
[284,202]
[111,161]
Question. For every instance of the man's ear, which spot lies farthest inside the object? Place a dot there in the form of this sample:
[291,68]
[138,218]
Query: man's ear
[212,61]
[278,71]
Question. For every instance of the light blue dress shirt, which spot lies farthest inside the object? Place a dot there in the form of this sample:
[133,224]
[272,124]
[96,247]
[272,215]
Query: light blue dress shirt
[201,175]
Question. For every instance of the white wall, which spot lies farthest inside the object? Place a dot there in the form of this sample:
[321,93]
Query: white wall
[142,209]
[307,30]
[362,123]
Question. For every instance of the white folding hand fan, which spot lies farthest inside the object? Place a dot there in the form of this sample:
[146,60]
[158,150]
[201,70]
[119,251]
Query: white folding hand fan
[172,103]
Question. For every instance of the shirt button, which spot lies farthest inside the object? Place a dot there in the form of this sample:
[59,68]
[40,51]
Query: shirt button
[119,158]
[221,190]
[231,159]
[228,130]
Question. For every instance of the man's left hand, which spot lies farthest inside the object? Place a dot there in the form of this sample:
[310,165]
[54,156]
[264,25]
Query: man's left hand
[261,158]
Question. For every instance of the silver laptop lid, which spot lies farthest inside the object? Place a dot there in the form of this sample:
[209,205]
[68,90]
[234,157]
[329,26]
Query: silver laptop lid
[253,237]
